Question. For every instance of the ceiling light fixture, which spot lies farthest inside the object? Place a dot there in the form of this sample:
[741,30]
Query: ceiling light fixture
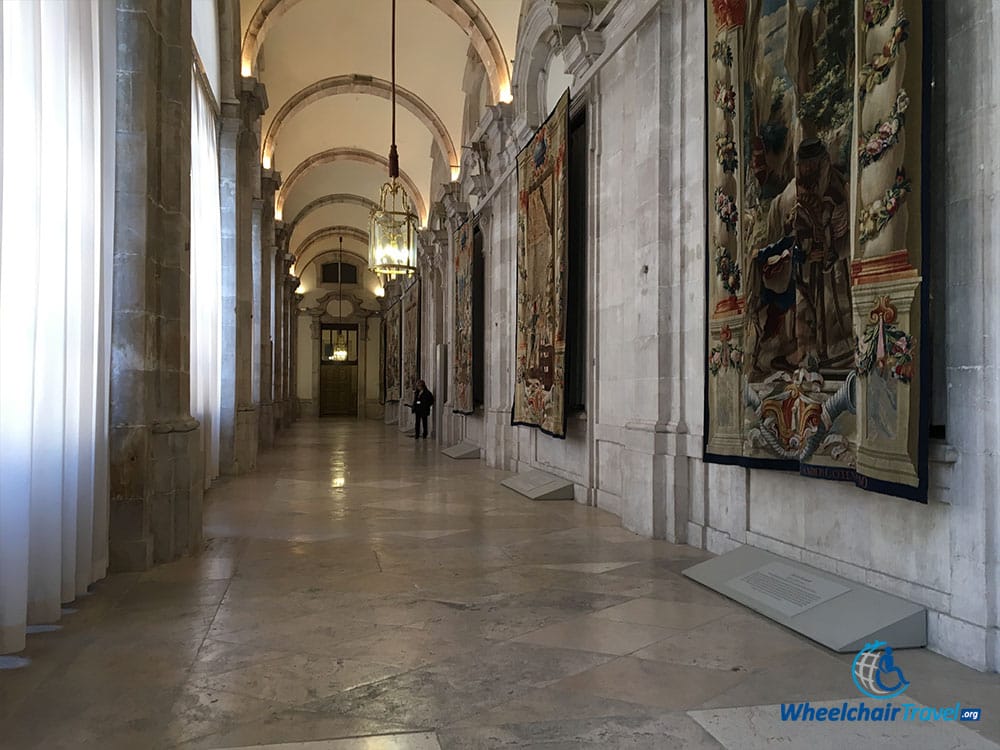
[392,249]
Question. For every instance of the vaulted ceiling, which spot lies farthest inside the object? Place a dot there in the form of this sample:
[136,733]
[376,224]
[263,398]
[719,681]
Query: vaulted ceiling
[326,67]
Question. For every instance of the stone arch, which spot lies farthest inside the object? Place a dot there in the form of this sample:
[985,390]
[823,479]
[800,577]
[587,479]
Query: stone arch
[360,155]
[327,232]
[543,29]
[465,13]
[361,84]
[331,199]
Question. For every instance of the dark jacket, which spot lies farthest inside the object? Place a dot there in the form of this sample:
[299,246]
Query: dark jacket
[422,402]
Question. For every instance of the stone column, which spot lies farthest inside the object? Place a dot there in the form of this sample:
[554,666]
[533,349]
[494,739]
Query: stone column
[270,181]
[658,446]
[253,102]
[155,472]
[314,331]
[291,337]
[240,178]
[281,237]
[228,136]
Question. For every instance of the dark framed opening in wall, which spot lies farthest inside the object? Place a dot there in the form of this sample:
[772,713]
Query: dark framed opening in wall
[338,370]
[576,272]
[334,273]
[478,319]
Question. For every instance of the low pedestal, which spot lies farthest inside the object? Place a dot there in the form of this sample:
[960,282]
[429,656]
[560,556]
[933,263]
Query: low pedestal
[463,450]
[842,615]
[537,485]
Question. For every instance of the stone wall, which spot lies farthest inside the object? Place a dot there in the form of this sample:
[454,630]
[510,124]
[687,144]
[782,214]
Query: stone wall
[639,72]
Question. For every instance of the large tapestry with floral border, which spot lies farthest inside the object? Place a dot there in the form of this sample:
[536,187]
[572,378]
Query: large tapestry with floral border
[393,334]
[462,344]
[817,352]
[540,347]
[411,336]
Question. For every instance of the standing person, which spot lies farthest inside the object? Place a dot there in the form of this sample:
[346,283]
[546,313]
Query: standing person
[423,400]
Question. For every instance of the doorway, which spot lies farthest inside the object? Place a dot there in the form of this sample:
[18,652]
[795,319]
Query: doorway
[338,370]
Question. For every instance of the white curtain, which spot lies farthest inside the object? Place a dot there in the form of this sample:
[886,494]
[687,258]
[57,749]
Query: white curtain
[206,277]
[54,291]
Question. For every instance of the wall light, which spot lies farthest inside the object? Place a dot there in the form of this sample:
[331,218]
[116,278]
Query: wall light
[380,291]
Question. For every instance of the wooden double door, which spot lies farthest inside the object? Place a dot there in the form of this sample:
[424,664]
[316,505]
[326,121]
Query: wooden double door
[338,370]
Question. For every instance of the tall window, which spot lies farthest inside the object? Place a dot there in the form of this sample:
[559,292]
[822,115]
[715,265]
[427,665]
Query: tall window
[334,273]
[55,251]
[206,276]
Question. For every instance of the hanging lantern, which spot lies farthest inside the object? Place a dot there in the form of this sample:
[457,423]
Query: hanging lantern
[392,247]
[340,347]
[392,235]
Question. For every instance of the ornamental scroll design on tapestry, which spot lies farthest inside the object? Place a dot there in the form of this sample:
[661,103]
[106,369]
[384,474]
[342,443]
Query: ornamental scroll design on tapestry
[462,338]
[816,279]
[542,261]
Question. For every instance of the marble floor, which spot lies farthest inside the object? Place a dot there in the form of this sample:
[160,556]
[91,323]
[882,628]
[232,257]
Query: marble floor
[360,590]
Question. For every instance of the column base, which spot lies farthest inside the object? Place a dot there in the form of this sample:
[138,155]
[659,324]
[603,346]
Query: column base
[247,439]
[131,556]
[266,425]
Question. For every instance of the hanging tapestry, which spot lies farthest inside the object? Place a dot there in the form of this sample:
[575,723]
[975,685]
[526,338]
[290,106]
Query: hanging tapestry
[462,346]
[411,337]
[540,349]
[393,333]
[817,354]
[381,365]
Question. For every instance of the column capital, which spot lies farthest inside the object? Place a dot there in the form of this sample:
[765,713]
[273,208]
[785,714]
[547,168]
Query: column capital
[270,181]
[253,98]
[455,207]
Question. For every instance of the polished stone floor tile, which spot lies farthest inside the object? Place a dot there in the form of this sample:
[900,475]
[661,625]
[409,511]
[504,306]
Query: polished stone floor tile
[358,591]
[666,732]
[407,741]
[738,641]
[675,615]
[591,633]
[669,687]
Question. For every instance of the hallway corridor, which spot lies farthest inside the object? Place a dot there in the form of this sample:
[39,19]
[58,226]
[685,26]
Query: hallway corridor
[360,583]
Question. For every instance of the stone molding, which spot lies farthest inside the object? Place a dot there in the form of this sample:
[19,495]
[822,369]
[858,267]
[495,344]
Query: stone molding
[546,27]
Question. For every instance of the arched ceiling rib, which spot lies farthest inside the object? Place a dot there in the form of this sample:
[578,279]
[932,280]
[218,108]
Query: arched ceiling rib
[361,84]
[357,122]
[333,214]
[465,13]
[321,235]
[349,154]
[326,66]
[330,199]
[350,256]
